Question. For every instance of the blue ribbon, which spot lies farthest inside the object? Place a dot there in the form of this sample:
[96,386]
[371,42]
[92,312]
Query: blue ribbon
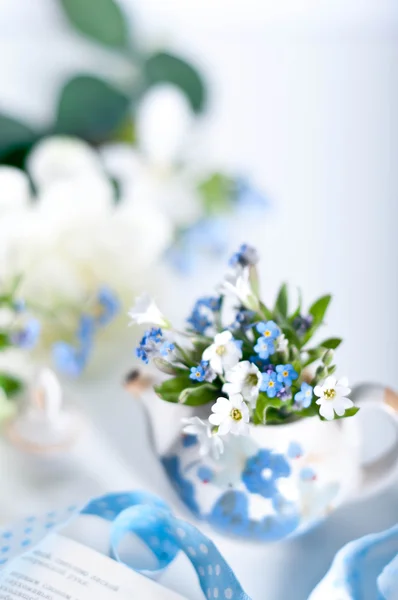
[148,517]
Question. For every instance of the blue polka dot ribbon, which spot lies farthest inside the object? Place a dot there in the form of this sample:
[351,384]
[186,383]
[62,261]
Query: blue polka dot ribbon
[149,518]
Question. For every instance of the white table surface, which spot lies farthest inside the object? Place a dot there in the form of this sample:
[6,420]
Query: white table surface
[115,453]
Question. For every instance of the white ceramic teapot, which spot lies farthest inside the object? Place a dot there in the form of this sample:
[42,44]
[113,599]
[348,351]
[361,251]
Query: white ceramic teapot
[282,479]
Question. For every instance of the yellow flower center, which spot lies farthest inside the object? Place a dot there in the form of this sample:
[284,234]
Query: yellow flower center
[267,333]
[220,350]
[329,394]
[271,384]
[198,373]
[285,373]
[236,414]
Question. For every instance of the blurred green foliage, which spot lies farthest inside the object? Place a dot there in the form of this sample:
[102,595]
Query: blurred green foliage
[91,107]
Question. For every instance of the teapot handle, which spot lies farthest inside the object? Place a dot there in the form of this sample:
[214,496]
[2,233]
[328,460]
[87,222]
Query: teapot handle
[380,472]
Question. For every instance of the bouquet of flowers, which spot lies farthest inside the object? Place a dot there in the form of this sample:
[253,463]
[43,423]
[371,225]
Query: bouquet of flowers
[251,363]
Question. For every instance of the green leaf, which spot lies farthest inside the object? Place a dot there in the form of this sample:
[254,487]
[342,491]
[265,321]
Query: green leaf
[101,20]
[181,389]
[319,308]
[297,312]
[10,384]
[310,411]
[171,389]
[199,394]
[274,416]
[281,304]
[166,367]
[90,108]
[262,405]
[216,193]
[14,135]
[331,343]
[4,340]
[265,312]
[163,67]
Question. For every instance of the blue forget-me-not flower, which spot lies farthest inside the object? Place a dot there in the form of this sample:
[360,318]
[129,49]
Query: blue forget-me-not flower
[303,398]
[286,374]
[270,384]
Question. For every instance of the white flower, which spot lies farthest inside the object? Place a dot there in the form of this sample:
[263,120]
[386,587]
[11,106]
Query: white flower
[209,441]
[164,121]
[238,284]
[146,311]
[281,343]
[14,186]
[61,158]
[224,353]
[231,416]
[245,378]
[333,397]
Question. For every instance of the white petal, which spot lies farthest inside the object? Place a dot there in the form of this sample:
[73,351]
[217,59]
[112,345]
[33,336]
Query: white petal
[339,409]
[342,390]
[216,419]
[163,120]
[236,401]
[326,410]
[222,338]
[222,406]
[245,412]
[123,163]
[209,352]
[60,158]
[14,189]
[318,390]
[194,425]
[226,426]
[216,364]
[231,388]
[347,403]
[330,382]
[89,196]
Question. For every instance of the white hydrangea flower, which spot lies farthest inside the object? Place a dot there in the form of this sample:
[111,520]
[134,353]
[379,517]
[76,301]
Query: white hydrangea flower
[231,415]
[61,158]
[332,397]
[245,378]
[15,192]
[146,311]
[209,441]
[224,353]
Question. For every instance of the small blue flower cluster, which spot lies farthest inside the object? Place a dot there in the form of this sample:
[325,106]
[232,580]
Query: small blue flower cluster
[246,256]
[277,380]
[202,372]
[202,315]
[243,319]
[72,359]
[266,344]
[153,344]
[302,324]
[27,336]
